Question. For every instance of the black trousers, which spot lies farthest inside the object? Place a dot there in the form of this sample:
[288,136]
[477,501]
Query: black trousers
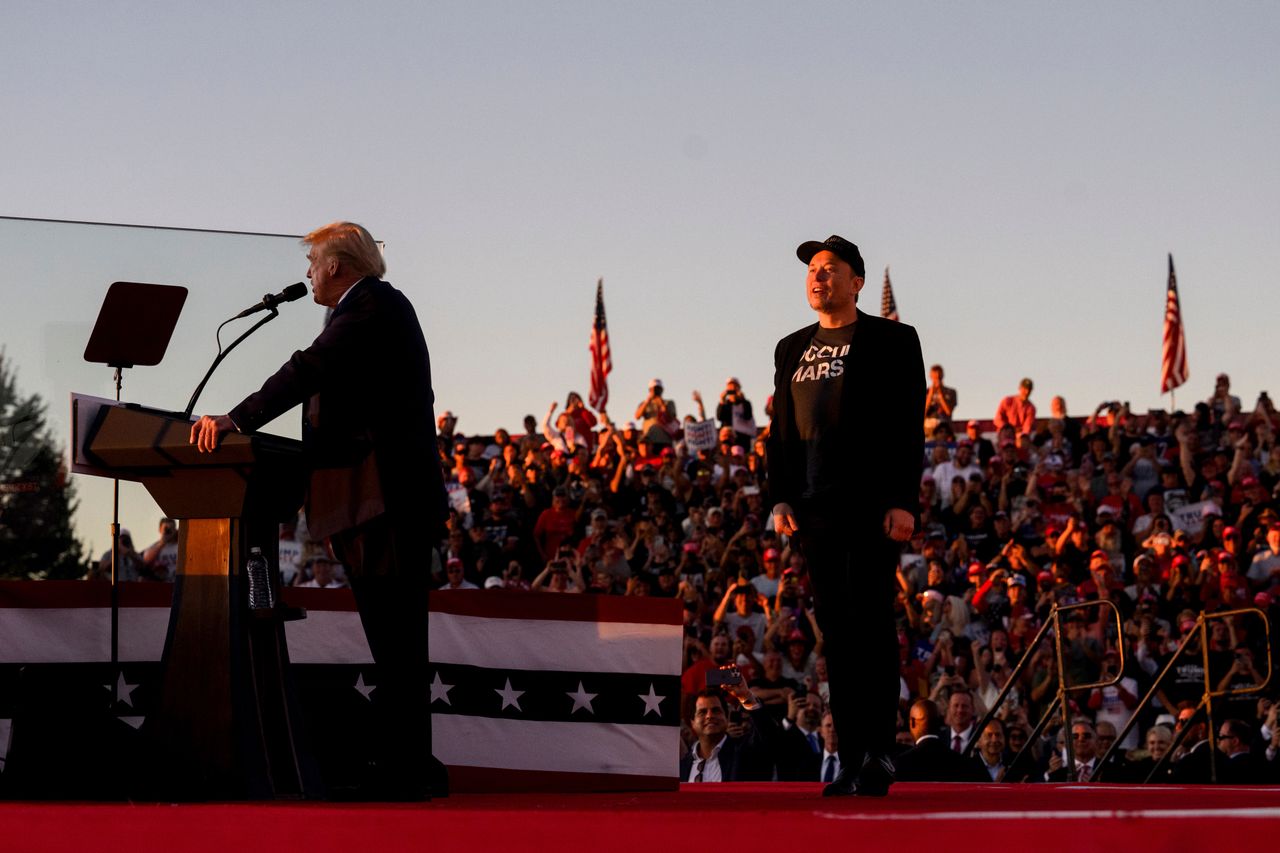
[853,565]
[390,577]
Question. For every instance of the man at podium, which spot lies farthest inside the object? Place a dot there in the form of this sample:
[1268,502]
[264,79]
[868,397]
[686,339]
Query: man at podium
[369,437]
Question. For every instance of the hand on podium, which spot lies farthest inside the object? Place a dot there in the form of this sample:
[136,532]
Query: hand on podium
[206,432]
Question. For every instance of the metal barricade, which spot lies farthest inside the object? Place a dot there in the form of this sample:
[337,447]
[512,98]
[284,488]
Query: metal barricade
[1059,702]
[1201,631]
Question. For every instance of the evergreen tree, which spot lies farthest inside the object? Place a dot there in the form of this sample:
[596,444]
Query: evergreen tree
[37,498]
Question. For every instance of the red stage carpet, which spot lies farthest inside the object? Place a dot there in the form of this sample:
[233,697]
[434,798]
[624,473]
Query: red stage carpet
[728,817]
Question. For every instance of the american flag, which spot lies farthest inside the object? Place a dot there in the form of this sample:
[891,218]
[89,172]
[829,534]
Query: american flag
[528,691]
[555,692]
[888,305]
[601,357]
[1173,354]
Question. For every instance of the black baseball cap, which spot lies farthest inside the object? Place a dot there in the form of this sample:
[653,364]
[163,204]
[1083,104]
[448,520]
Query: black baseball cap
[838,246]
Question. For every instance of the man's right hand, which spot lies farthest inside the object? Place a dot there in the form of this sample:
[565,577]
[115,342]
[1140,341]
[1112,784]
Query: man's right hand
[784,519]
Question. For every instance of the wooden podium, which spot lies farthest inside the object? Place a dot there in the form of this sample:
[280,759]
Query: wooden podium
[228,726]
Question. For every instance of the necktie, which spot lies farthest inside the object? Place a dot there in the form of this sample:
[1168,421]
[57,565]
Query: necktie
[701,763]
[813,741]
[829,772]
[957,744]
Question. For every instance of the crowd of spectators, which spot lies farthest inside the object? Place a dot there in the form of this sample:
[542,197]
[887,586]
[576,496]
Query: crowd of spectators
[1166,515]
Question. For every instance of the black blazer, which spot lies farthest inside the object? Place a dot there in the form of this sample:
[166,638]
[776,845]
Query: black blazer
[932,760]
[368,427]
[882,417]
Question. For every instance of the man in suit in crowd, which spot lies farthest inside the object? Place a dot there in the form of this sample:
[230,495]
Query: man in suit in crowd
[376,491]
[931,759]
[1084,745]
[721,754]
[844,461]
[991,750]
[962,727]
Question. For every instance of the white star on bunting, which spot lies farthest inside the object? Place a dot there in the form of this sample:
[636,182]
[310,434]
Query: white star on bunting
[582,699]
[510,698]
[440,691]
[124,690]
[362,688]
[652,702]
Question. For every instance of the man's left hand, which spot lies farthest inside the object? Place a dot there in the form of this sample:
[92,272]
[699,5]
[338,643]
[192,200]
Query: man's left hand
[206,432]
[899,525]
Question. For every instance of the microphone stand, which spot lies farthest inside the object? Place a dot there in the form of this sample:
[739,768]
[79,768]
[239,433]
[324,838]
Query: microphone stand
[191,404]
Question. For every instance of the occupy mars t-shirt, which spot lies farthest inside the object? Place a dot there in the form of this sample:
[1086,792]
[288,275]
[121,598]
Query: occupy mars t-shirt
[816,387]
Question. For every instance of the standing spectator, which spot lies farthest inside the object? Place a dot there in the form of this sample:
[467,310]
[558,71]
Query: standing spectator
[728,747]
[584,422]
[1241,766]
[830,766]
[455,577]
[939,401]
[985,449]
[555,524]
[290,553]
[734,411]
[659,424]
[324,574]
[1114,704]
[962,466]
[161,556]
[1017,410]
[1223,405]
[1265,564]
[129,563]
[844,471]
[1084,742]
[961,726]
[929,760]
[991,746]
[744,595]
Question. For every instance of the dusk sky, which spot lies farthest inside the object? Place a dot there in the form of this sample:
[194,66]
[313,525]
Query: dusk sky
[1023,168]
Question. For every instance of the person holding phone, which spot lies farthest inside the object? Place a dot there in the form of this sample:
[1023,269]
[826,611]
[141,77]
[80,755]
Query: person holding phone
[736,738]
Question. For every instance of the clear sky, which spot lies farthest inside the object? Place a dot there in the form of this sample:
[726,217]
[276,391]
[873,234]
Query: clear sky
[1023,167]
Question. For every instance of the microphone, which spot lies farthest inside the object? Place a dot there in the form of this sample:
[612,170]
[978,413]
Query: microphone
[294,291]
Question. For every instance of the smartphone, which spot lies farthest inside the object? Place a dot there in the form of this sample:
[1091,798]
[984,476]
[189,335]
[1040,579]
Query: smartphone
[722,676]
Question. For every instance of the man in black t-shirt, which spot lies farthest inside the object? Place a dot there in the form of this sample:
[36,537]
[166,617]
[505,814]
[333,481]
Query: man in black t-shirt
[844,456]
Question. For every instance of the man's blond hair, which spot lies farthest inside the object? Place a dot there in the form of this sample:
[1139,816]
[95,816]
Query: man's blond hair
[351,244]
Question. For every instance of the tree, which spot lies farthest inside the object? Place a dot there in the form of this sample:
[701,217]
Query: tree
[37,498]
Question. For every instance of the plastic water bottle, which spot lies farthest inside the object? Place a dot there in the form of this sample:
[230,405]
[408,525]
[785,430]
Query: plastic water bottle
[260,597]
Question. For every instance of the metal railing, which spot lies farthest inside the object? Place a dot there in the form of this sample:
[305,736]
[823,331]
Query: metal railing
[1059,702]
[1205,706]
